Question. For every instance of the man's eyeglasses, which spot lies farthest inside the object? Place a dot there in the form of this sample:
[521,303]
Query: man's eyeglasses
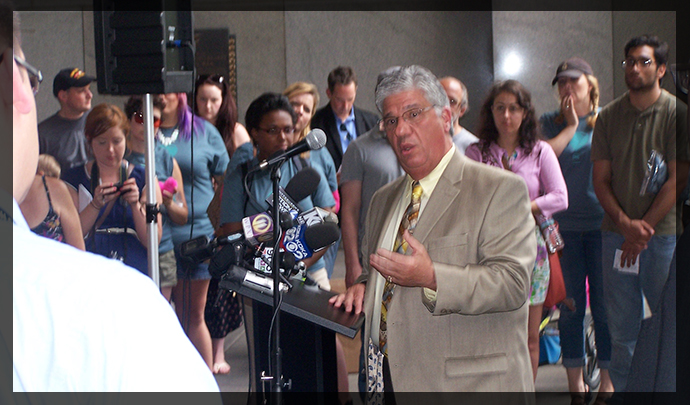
[139,119]
[35,75]
[276,130]
[412,117]
[631,62]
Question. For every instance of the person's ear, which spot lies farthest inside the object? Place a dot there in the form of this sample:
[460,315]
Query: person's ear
[22,95]
[447,117]
[661,71]
[462,111]
[328,93]
[62,94]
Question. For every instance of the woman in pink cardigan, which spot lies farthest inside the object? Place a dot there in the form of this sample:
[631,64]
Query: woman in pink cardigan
[509,139]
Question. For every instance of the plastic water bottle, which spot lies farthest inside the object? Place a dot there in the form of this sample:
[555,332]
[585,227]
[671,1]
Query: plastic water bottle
[552,236]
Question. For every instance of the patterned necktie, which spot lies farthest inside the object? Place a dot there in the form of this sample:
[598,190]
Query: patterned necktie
[344,129]
[409,222]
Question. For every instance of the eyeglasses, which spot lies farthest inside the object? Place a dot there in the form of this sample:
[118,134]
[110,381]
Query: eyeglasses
[412,117]
[631,62]
[139,119]
[513,109]
[35,75]
[453,102]
[276,130]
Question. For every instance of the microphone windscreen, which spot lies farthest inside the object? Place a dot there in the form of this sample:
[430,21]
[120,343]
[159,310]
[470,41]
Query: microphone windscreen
[321,235]
[221,261]
[316,139]
[286,221]
[287,261]
[303,184]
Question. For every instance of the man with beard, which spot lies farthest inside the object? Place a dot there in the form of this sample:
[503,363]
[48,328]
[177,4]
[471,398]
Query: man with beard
[639,228]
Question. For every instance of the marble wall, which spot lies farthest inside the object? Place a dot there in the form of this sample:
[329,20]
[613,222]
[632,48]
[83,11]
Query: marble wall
[529,46]
[456,43]
[275,48]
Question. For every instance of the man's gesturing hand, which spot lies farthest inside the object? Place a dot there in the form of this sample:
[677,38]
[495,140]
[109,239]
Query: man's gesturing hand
[413,270]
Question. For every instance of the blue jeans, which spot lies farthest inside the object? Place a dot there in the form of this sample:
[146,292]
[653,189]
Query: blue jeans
[329,257]
[623,292]
[581,261]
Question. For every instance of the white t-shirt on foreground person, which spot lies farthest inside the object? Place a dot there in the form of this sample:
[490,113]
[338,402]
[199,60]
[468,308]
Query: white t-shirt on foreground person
[86,323]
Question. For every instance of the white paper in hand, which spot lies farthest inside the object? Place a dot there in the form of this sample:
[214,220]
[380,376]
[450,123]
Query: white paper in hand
[632,269]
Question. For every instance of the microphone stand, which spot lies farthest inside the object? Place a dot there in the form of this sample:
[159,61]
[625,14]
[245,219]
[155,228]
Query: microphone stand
[276,356]
[151,183]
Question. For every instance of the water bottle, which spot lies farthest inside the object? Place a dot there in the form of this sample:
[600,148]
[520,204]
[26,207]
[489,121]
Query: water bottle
[552,236]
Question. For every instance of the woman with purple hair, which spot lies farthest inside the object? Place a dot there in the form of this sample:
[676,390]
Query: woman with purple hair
[200,152]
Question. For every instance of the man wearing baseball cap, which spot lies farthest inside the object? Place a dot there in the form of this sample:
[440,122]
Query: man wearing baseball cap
[62,135]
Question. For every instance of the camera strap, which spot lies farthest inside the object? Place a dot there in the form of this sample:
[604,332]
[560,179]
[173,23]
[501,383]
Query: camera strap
[95,181]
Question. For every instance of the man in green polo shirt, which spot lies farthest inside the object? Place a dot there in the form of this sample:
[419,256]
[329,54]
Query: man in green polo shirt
[639,231]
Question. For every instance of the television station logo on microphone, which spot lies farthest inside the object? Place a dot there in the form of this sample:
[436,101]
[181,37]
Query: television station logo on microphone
[293,242]
[262,223]
[258,228]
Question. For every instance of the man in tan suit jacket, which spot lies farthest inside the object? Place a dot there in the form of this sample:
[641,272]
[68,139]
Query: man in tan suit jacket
[458,317]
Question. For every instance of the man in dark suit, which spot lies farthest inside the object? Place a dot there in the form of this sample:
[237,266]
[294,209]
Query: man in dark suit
[340,119]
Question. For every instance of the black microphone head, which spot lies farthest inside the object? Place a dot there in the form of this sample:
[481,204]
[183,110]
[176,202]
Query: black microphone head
[221,261]
[316,139]
[286,221]
[321,235]
[287,261]
[303,184]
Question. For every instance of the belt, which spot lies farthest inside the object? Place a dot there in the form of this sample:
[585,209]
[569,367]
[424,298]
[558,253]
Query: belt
[116,231]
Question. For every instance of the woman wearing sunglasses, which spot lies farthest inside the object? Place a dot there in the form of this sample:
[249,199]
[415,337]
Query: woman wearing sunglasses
[174,207]
[201,154]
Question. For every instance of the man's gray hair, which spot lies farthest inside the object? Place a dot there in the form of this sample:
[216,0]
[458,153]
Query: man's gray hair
[398,79]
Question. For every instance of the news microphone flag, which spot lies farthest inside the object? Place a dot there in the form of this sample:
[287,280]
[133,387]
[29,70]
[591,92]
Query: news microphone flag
[258,228]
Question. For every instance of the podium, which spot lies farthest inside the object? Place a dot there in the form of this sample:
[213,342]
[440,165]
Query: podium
[308,325]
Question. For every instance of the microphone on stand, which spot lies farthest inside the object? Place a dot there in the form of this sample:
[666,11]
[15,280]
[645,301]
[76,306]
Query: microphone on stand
[299,243]
[315,139]
[259,228]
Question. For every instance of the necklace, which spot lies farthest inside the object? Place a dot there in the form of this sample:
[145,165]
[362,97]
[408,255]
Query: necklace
[167,141]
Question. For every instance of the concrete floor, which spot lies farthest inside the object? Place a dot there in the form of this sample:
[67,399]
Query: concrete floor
[551,383]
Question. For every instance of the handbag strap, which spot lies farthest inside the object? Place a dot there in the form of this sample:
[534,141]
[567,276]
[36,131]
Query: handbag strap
[95,179]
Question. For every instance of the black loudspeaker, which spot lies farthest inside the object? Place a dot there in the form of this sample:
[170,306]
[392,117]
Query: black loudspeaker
[139,52]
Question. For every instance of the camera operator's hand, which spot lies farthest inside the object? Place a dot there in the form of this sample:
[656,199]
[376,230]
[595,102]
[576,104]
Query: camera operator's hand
[130,192]
[104,194]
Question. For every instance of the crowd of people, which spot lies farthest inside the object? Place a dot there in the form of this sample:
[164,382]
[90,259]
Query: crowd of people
[442,229]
